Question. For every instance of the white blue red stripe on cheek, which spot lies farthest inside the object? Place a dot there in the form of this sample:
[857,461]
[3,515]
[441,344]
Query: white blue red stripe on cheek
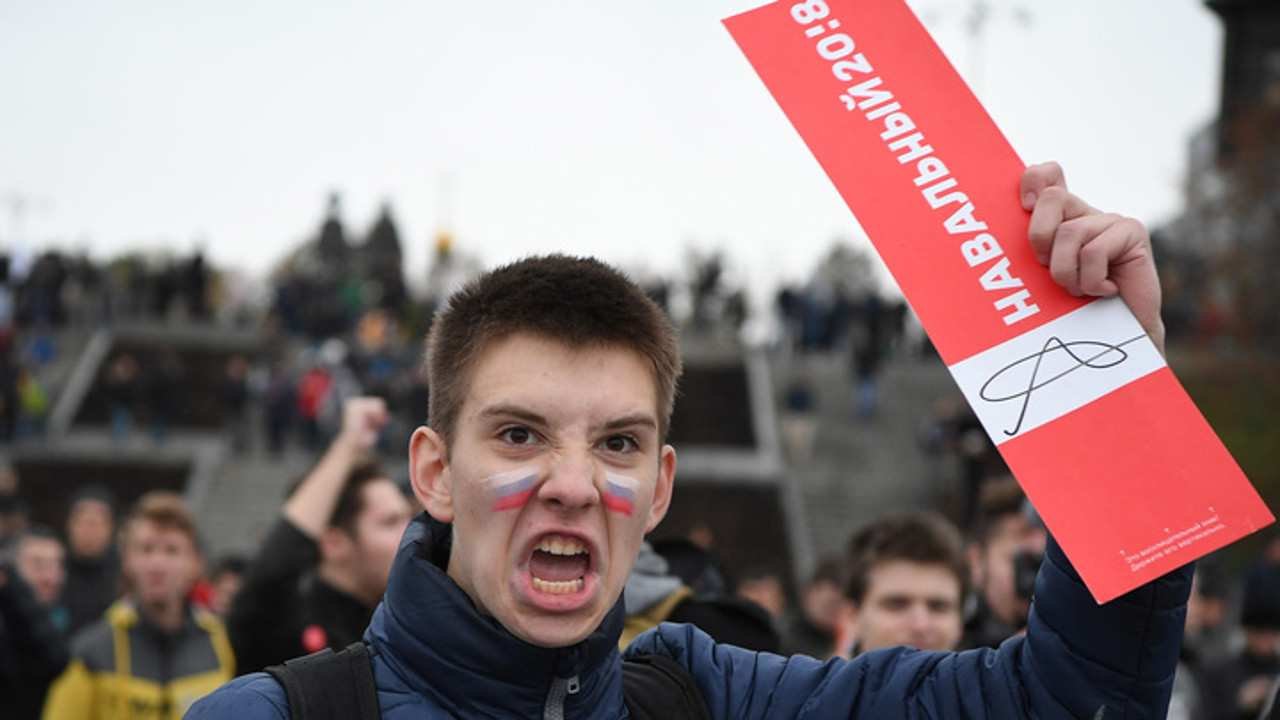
[619,494]
[512,489]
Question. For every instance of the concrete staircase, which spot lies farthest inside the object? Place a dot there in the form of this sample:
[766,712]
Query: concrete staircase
[244,495]
[860,469]
[244,499]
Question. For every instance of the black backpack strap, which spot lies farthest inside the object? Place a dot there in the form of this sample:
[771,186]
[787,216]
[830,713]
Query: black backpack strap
[330,686]
[655,686]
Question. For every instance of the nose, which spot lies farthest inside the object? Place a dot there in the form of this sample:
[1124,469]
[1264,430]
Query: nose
[571,483]
[919,622]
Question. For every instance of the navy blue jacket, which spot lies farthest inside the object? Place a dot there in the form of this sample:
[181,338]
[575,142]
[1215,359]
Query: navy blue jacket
[436,657]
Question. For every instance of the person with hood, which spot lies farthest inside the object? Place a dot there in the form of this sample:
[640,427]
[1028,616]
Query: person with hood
[654,595]
[544,466]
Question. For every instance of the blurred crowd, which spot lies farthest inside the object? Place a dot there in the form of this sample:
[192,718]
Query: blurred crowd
[340,355]
[337,318]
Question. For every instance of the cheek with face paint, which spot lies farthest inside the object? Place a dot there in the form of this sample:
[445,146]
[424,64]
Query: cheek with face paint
[619,494]
[512,490]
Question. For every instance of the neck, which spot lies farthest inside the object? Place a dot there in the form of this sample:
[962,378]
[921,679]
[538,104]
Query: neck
[1261,646]
[454,571]
[339,580]
[166,615]
[84,559]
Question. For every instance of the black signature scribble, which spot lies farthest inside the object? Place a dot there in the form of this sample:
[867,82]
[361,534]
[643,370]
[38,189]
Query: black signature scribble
[1053,345]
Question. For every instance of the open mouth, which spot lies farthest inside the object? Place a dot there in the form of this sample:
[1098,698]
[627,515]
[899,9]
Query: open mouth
[559,565]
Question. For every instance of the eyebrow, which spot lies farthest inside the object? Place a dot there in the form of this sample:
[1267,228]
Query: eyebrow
[630,421]
[515,412]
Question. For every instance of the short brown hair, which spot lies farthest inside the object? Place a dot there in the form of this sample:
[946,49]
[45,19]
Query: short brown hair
[1000,497]
[167,510]
[351,499]
[924,538]
[577,301]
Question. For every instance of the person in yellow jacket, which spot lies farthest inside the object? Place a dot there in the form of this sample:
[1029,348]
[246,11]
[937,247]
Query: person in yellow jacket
[153,654]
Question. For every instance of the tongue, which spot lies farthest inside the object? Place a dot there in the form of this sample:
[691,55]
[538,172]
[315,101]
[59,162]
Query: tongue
[558,568]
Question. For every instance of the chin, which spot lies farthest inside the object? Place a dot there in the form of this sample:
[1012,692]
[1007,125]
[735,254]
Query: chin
[557,632]
[153,600]
[556,629]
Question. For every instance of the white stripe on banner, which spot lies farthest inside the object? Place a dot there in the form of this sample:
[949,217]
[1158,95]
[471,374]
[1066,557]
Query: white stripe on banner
[1065,364]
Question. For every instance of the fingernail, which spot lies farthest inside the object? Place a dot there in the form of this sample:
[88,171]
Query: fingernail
[1029,200]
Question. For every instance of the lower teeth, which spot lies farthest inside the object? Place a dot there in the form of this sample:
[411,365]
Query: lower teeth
[557,587]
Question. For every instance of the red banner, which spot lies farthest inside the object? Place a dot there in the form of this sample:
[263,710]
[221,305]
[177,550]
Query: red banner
[1125,471]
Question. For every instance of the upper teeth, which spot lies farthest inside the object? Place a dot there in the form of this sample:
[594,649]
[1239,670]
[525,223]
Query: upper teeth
[561,546]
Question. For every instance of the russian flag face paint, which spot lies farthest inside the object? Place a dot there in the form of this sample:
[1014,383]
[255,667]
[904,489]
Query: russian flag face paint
[512,489]
[619,494]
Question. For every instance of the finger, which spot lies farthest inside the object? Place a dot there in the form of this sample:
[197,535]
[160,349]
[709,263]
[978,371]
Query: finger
[1132,268]
[1036,178]
[1054,207]
[1045,220]
[1124,248]
[1095,261]
[1068,241]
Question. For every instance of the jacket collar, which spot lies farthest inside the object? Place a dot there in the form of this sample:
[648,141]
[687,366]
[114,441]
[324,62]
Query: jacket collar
[125,614]
[441,646]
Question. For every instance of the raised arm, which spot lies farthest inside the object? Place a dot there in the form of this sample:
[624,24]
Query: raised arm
[312,504]
[263,622]
[1078,658]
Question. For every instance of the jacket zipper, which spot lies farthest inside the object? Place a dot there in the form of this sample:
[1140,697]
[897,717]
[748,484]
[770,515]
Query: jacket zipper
[560,688]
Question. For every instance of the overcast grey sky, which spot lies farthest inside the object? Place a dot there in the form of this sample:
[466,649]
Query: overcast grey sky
[626,130]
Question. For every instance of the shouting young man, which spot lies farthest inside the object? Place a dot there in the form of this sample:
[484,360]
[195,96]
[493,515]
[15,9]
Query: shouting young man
[544,465]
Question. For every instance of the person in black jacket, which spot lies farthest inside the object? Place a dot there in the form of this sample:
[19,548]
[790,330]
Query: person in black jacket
[1237,687]
[323,567]
[93,565]
[40,560]
[1003,557]
[32,651]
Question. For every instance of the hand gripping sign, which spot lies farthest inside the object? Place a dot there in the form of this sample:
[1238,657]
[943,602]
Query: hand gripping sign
[1108,446]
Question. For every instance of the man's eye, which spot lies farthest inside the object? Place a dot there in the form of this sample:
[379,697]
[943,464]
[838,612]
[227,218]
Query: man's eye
[941,607]
[621,444]
[895,603]
[517,435]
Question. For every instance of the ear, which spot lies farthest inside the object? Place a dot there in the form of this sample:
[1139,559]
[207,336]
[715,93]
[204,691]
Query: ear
[849,613]
[846,628]
[334,544]
[662,489]
[974,555]
[429,473]
[199,566]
